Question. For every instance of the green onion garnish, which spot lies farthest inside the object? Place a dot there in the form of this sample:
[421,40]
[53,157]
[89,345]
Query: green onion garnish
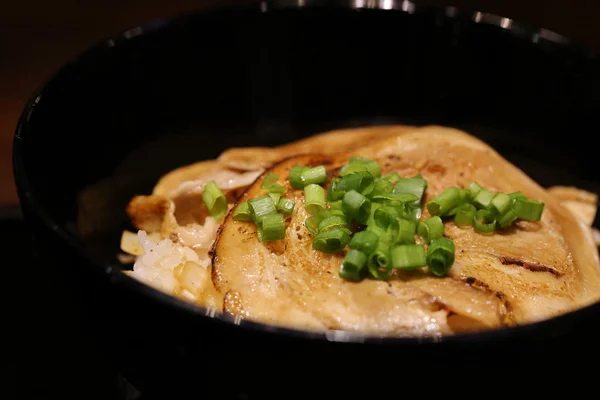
[473,190]
[332,240]
[286,206]
[383,216]
[314,175]
[314,198]
[295,176]
[272,228]
[408,256]
[365,241]
[395,198]
[507,218]
[392,178]
[335,205]
[431,228]
[483,199]
[516,195]
[269,181]
[464,215]
[406,231]
[332,221]
[527,209]
[361,182]
[215,200]
[356,206]
[440,256]
[275,197]
[242,212]
[334,193]
[360,164]
[414,186]
[352,265]
[378,264]
[412,213]
[276,188]
[312,224]
[261,206]
[484,221]
[382,186]
[444,202]
[500,203]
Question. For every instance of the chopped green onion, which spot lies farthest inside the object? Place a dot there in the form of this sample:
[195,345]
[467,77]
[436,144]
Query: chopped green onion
[507,218]
[276,188]
[332,222]
[414,186]
[269,180]
[332,240]
[275,197]
[261,206]
[516,195]
[312,224]
[286,206]
[215,200]
[356,206]
[408,256]
[431,228]
[391,177]
[379,258]
[395,198]
[334,192]
[527,209]
[329,212]
[314,175]
[360,164]
[295,176]
[473,190]
[362,182]
[484,221]
[444,202]
[382,186]
[365,241]
[465,214]
[500,203]
[314,198]
[383,216]
[412,213]
[242,212]
[483,198]
[371,220]
[335,205]
[440,256]
[272,228]
[406,231]
[352,265]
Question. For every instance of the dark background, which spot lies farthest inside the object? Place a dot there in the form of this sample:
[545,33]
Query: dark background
[37,36]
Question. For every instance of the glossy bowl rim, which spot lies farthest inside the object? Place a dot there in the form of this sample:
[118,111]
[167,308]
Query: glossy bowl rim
[26,192]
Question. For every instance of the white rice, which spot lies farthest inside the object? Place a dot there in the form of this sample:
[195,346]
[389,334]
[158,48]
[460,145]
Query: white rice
[157,265]
[174,267]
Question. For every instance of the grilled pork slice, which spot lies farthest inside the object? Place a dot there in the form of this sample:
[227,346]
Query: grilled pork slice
[249,158]
[581,203]
[532,272]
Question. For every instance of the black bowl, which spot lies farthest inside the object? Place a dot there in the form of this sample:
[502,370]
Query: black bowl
[168,93]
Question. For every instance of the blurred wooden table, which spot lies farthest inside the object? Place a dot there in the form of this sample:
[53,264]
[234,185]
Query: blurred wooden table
[37,36]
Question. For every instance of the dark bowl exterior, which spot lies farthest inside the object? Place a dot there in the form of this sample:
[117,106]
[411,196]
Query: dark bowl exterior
[174,92]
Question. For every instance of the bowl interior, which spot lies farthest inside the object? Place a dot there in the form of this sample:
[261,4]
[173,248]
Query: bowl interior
[170,93]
